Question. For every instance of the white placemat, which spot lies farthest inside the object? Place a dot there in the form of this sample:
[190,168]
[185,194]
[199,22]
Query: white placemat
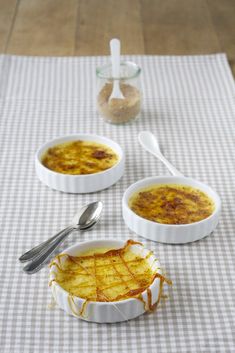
[189,105]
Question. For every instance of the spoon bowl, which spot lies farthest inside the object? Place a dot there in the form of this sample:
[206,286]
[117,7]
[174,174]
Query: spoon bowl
[88,215]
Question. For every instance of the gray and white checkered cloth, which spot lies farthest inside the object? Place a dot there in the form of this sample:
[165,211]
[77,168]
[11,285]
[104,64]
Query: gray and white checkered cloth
[189,104]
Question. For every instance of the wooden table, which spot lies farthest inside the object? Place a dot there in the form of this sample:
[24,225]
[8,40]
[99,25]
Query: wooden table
[84,27]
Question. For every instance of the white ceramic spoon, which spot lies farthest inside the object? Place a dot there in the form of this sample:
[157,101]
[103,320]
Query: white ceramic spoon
[115,58]
[149,142]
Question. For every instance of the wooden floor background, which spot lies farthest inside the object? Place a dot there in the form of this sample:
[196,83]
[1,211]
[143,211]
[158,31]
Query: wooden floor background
[84,27]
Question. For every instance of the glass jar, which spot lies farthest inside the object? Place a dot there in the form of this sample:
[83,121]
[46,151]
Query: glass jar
[116,110]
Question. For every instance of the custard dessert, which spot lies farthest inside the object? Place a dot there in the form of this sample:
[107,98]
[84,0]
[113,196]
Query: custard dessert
[106,275]
[79,157]
[172,204]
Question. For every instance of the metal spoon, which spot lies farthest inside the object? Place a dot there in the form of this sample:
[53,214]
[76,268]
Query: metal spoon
[81,220]
[149,142]
[85,219]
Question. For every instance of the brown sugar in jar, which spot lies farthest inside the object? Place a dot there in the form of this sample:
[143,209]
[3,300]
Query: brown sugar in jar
[119,110]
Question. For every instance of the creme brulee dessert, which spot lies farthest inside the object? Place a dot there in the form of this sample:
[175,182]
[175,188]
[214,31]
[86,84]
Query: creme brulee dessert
[172,204]
[106,275]
[79,157]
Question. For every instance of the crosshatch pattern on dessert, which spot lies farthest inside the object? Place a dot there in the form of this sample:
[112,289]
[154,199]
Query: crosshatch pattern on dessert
[188,102]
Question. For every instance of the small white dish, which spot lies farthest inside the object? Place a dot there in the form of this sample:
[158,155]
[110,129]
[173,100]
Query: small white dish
[170,233]
[105,312]
[80,183]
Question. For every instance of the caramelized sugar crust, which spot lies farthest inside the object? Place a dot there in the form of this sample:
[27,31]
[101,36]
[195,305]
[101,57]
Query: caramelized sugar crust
[106,277]
[79,158]
[172,204]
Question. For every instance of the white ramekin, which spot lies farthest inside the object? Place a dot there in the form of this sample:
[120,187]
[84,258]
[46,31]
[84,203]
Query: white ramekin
[105,312]
[80,183]
[170,233]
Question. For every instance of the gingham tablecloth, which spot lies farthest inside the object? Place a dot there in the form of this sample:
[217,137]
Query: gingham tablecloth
[189,105]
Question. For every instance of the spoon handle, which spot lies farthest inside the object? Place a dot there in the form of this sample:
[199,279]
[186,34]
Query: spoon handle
[37,250]
[115,57]
[169,166]
[40,260]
